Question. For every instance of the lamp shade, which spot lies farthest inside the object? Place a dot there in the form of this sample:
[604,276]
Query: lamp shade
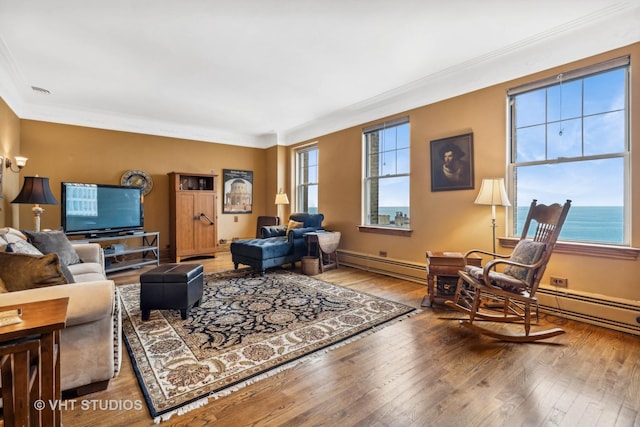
[493,193]
[282,199]
[36,191]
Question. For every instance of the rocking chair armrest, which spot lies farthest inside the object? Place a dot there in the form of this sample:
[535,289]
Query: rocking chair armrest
[481,251]
[491,265]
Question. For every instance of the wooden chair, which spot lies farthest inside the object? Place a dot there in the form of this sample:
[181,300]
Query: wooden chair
[511,279]
[264,221]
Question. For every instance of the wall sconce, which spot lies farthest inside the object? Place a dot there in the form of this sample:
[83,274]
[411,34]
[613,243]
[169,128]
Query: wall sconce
[20,162]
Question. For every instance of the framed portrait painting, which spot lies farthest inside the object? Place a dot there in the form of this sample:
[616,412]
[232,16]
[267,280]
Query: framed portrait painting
[238,191]
[452,163]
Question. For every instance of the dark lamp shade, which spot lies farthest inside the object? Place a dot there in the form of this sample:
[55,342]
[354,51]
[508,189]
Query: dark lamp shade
[36,191]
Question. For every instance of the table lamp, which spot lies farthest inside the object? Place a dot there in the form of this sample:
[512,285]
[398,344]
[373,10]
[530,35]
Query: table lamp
[36,191]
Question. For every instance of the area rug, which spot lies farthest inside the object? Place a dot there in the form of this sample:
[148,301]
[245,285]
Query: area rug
[247,328]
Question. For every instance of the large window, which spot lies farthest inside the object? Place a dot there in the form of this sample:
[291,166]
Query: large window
[307,179]
[570,140]
[386,180]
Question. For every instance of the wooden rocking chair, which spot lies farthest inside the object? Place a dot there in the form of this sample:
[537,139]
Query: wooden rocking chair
[511,279]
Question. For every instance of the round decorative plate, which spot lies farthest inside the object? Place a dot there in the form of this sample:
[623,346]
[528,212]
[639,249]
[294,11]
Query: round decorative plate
[137,178]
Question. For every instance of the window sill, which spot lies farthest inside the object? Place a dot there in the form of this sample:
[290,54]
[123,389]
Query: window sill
[588,249]
[405,232]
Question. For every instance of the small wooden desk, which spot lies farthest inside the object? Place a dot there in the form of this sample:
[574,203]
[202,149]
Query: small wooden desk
[40,326]
[444,264]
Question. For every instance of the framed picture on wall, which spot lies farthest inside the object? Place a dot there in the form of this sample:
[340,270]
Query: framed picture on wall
[238,191]
[452,163]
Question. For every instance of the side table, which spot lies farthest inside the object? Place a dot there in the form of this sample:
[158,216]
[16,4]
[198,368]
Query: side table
[37,333]
[444,264]
[326,243]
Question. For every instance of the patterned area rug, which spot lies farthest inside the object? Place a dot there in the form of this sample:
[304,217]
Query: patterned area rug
[246,328]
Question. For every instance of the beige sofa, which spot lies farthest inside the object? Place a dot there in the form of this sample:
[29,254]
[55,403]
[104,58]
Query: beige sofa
[91,348]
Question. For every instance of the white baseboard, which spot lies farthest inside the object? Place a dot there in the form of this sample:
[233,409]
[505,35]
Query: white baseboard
[600,310]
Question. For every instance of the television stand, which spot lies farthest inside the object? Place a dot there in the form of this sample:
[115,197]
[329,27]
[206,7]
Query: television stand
[125,253]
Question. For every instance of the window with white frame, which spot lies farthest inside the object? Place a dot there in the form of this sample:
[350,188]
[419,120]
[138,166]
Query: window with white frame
[570,140]
[307,179]
[386,174]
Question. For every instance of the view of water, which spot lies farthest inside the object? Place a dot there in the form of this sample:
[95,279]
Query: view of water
[588,223]
[584,223]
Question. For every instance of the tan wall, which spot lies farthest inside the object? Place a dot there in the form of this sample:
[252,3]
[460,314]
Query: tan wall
[9,146]
[441,221]
[449,220]
[80,154]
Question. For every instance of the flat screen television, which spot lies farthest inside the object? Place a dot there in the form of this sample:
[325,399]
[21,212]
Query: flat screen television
[99,209]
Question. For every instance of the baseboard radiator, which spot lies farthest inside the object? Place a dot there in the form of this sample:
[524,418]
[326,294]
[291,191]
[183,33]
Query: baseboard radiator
[600,310]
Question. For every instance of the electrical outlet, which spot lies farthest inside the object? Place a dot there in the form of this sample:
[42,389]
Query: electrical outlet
[560,282]
[383,253]
[235,219]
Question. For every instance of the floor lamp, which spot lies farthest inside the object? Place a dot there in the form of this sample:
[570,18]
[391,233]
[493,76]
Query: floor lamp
[493,193]
[281,199]
[35,191]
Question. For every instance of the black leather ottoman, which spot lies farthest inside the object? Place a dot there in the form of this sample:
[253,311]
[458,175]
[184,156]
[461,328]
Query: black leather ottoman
[171,286]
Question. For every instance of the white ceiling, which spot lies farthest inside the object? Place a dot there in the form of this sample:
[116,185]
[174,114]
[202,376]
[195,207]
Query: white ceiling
[265,72]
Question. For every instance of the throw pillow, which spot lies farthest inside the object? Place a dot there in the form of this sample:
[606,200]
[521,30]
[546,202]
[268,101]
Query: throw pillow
[293,225]
[49,242]
[22,271]
[23,247]
[525,252]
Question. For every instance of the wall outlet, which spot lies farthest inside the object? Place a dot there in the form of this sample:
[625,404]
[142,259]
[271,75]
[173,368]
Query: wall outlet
[383,253]
[560,282]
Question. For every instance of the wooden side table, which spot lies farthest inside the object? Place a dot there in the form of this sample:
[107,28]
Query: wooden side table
[39,332]
[444,264]
[326,243]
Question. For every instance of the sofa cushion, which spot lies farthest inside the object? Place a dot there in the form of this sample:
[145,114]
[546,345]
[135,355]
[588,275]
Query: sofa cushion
[23,247]
[309,220]
[293,225]
[10,235]
[22,271]
[86,272]
[54,242]
[272,231]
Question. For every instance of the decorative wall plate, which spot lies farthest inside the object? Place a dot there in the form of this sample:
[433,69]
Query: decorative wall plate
[137,178]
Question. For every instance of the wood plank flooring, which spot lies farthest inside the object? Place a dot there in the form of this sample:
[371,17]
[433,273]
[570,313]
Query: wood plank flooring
[422,371]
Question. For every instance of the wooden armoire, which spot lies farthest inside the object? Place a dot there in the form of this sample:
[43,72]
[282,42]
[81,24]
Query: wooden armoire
[193,215]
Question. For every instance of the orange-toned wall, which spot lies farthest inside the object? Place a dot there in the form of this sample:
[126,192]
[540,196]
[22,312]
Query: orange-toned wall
[440,220]
[9,146]
[449,220]
[81,154]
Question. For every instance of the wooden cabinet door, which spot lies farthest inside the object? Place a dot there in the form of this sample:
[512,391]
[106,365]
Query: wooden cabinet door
[185,235]
[205,226]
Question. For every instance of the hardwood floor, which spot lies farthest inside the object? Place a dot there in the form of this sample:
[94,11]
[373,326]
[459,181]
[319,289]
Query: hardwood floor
[422,371]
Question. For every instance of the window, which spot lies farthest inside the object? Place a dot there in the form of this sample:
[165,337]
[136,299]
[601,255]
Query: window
[386,180]
[569,140]
[307,179]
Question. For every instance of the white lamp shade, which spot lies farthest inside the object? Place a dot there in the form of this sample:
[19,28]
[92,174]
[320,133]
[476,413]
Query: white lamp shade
[21,161]
[493,193]
[282,199]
